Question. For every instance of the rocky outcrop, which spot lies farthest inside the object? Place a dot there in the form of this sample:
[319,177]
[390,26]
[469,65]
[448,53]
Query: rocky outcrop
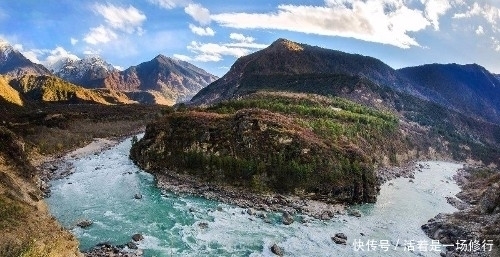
[109,250]
[478,221]
[256,149]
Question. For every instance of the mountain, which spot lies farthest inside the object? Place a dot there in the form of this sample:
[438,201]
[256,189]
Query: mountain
[176,80]
[13,63]
[87,72]
[53,89]
[469,89]
[286,65]
[293,67]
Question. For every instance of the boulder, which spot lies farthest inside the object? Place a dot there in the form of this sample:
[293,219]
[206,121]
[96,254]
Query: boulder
[250,211]
[138,196]
[490,199]
[203,225]
[137,237]
[131,245]
[276,250]
[326,215]
[355,213]
[340,238]
[262,215]
[287,218]
[84,223]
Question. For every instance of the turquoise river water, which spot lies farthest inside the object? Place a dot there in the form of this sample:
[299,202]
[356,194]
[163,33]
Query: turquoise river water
[103,186]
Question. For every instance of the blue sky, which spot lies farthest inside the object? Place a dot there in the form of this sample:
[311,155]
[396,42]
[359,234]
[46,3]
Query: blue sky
[213,34]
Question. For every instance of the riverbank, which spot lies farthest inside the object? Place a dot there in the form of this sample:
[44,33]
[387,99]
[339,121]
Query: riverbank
[312,205]
[58,166]
[478,216]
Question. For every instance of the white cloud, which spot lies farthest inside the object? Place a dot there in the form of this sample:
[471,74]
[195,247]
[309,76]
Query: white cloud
[496,44]
[60,53]
[73,41]
[480,30]
[125,19]
[56,57]
[90,51]
[52,59]
[434,9]
[211,52]
[182,57]
[246,45]
[386,22]
[214,52]
[198,13]
[201,31]
[489,12]
[17,47]
[99,35]
[241,37]
[32,55]
[170,4]
[243,41]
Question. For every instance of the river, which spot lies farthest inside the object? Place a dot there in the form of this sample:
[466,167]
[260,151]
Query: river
[103,186]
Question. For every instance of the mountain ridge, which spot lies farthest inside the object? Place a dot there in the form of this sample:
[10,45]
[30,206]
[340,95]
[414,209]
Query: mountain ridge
[174,79]
[284,57]
[87,72]
[13,63]
[469,89]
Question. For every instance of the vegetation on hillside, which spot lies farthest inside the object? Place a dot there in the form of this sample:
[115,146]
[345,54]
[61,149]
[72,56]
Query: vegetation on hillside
[281,142]
[25,224]
[8,93]
[53,89]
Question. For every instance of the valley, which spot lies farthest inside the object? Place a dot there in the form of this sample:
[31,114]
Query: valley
[290,121]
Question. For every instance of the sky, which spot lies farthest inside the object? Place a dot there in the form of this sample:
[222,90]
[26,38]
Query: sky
[213,34]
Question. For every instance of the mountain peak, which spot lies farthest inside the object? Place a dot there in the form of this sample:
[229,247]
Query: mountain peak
[162,59]
[286,44]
